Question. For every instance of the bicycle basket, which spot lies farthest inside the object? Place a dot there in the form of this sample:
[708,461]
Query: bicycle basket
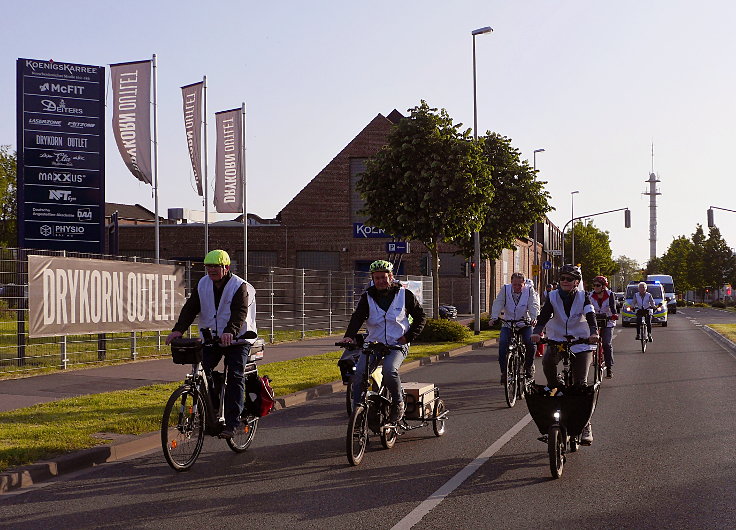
[186,351]
[576,407]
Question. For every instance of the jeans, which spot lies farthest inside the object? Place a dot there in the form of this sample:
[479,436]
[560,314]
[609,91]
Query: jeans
[606,338]
[579,365]
[391,379]
[235,357]
[647,320]
[503,347]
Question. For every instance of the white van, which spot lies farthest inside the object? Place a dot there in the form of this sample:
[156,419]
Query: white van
[669,290]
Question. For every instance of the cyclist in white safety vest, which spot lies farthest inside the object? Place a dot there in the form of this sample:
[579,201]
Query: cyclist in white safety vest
[385,307]
[568,311]
[226,304]
[643,301]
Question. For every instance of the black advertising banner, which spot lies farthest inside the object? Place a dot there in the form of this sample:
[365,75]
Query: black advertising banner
[228,166]
[192,101]
[61,156]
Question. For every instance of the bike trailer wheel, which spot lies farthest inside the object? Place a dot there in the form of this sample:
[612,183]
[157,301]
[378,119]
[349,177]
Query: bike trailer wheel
[182,428]
[357,435]
[438,423]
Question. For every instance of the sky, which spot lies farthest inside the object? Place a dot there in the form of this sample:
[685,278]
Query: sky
[594,84]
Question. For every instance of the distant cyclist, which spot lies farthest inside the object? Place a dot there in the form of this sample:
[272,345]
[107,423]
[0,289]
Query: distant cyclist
[518,301]
[604,303]
[385,308]
[643,302]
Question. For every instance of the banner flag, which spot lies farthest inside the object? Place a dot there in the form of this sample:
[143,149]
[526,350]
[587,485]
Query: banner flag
[192,96]
[131,116]
[228,167]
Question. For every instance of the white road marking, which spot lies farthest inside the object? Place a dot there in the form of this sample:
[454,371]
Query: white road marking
[464,474]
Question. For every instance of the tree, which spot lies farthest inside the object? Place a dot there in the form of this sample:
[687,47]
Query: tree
[696,263]
[627,270]
[592,251]
[676,263]
[428,183]
[719,258]
[519,199]
[8,187]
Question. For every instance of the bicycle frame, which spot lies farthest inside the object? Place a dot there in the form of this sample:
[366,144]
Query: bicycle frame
[516,381]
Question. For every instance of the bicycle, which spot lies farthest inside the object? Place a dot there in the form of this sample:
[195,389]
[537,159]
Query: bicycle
[599,359]
[372,412]
[561,413]
[347,364]
[641,326]
[516,380]
[190,413]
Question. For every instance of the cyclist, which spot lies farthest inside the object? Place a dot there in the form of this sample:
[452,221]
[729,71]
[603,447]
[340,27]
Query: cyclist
[518,301]
[643,301]
[385,308]
[227,305]
[604,303]
[568,311]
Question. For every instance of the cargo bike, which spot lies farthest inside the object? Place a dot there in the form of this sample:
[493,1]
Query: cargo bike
[561,413]
[371,414]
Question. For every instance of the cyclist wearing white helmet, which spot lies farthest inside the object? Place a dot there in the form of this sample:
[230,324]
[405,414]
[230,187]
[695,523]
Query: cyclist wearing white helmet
[385,308]
[643,301]
[226,304]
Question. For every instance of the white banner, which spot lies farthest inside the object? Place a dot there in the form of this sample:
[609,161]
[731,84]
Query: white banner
[229,168]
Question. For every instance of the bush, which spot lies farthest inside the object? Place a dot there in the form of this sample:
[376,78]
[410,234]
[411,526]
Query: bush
[443,331]
[485,318]
[719,304]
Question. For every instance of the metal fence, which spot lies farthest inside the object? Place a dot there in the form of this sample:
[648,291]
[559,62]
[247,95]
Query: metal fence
[291,304]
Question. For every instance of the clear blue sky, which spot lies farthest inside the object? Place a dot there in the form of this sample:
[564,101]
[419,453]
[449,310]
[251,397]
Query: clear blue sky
[593,83]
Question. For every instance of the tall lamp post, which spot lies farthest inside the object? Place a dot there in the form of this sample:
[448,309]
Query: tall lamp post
[476,234]
[536,260]
[572,228]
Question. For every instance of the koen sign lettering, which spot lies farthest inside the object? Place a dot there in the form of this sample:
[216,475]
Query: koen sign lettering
[81,296]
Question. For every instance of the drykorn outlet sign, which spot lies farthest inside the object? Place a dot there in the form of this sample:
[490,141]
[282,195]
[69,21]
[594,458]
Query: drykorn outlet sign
[61,156]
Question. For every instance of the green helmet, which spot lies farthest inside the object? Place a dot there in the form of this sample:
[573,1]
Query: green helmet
[381,265]
[217,257]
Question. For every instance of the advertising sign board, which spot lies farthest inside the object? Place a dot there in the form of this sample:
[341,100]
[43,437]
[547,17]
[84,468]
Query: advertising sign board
[61,156]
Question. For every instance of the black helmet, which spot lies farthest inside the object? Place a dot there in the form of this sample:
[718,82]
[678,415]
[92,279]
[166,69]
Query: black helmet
[572,270]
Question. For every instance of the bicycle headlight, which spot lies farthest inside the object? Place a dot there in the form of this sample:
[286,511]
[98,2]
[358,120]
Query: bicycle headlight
[557,415]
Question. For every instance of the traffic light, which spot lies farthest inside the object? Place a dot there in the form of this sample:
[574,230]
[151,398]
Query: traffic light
[472,267]
[627,218]
[711,222]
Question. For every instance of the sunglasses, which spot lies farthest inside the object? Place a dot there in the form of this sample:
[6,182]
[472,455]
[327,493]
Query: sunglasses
[567,279]
[597,285]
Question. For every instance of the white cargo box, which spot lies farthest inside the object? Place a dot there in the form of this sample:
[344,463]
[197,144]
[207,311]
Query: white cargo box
[418,398]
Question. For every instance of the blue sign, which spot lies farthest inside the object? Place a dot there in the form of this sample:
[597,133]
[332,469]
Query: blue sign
[61,156]
[397,247]
[546,265]
[360,231]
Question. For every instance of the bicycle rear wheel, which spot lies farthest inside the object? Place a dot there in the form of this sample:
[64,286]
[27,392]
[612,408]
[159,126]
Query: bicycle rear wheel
[512,375]
[182,428]
[556,450]
[244,433]
[357,436]
[644,343]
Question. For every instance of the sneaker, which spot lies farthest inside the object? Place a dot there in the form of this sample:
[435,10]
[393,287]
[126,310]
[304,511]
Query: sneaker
[503,379]
[651,339]
[529,372]
[587,437]
[227,433]
[397,412]
[609,373]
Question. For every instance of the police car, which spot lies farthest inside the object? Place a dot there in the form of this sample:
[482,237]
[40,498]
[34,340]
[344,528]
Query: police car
[659,316]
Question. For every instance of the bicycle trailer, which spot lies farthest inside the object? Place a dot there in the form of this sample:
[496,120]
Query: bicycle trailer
[575,404]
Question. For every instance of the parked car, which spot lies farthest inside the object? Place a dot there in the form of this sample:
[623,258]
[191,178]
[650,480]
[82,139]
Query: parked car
[448,312]
[620,299]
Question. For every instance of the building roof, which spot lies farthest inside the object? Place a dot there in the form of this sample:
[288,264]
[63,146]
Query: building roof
[132,212]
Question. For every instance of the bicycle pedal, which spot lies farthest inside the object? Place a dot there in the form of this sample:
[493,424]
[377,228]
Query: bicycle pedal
[543,438]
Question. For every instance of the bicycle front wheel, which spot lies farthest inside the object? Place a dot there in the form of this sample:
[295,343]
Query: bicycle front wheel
[357,437]
[556,450]
[182,428]
[512,377]
[244,433]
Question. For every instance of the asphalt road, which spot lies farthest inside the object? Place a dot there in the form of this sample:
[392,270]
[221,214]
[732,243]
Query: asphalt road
[664,455]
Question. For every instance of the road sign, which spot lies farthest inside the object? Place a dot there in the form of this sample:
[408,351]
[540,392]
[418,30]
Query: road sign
[397,247]
[547,265]
[555,252]
[535,269]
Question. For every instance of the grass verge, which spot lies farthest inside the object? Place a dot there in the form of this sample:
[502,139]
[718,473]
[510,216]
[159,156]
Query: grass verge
[50,429]
[727,330]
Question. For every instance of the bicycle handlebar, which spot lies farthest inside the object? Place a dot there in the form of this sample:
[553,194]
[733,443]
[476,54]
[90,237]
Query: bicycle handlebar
[568,341]
[365,345]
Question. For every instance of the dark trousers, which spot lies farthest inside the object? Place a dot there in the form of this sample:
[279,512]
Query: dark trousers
[504,339]
[235,358]
[647,320]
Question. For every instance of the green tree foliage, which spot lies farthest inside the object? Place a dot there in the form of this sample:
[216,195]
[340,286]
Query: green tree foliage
[696,263]
[8,185]
[721,263]
[429,183]
[676,263]
[628,269]
[592,251]
[519,199]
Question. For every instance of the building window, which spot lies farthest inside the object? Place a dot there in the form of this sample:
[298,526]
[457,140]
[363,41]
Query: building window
[357,167]
[318,260]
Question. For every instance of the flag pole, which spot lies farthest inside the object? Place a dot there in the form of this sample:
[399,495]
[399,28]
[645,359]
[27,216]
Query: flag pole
[206,185]
[245,202]
[155,158]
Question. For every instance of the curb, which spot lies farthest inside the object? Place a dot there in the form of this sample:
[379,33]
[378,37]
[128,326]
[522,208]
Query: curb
[26,476]
[728,343]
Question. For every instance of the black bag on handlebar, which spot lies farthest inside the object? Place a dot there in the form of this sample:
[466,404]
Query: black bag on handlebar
[186,351]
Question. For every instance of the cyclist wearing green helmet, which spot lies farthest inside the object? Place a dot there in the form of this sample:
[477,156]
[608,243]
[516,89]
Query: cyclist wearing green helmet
[385,308]
[226,304]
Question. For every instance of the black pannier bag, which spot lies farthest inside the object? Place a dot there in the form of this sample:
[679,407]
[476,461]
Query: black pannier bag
[186,351]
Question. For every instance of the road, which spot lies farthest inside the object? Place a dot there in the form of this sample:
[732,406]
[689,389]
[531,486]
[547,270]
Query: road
[664,455]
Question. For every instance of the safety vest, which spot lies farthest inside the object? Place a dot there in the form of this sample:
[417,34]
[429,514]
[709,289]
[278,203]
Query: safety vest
[217,318]
[605,308]
[387,326]
[514,311]
[561,324]
[644,302]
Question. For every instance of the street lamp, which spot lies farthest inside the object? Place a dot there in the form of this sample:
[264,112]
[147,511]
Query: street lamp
[536,261]
[476,234]
[572,228]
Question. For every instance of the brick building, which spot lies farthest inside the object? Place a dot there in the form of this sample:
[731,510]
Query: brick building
[321,229]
